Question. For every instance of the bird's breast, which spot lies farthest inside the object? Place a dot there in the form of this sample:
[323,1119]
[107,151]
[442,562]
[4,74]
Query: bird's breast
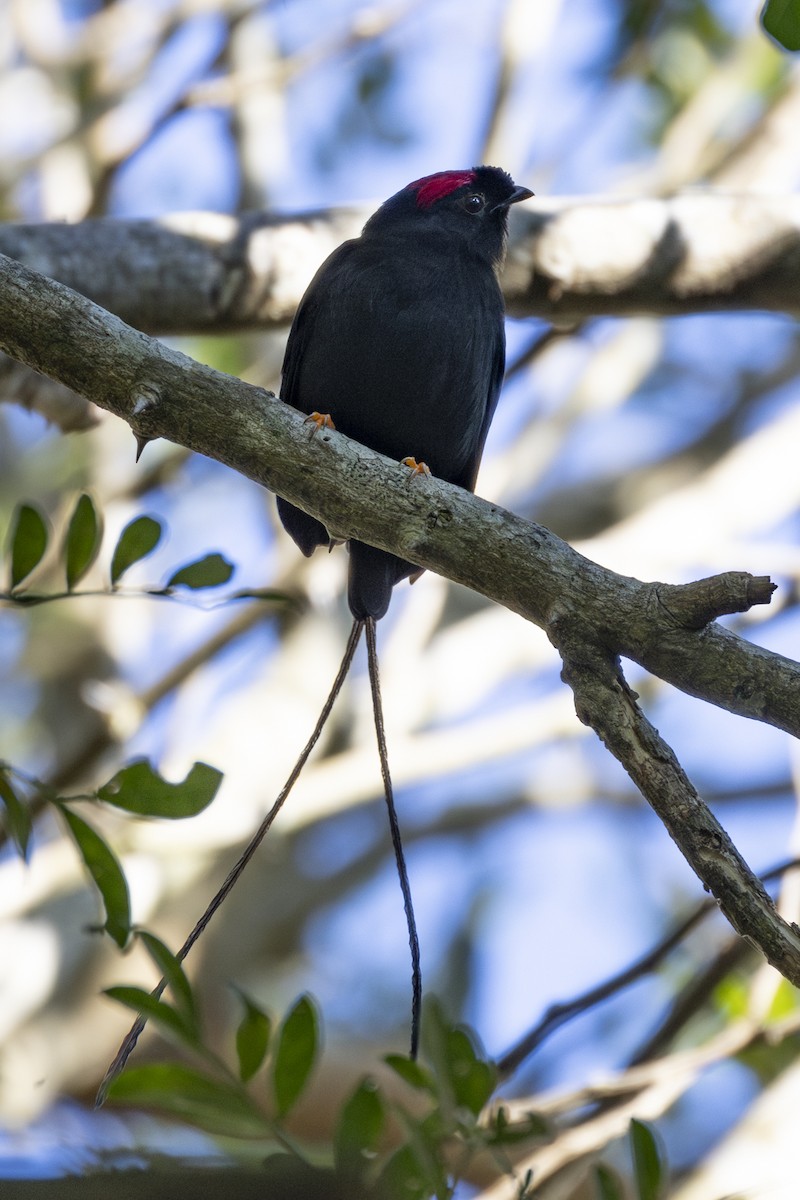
[404,358]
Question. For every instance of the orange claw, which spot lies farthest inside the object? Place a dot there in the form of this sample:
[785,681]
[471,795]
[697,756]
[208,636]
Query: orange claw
[319,421]
[415,467]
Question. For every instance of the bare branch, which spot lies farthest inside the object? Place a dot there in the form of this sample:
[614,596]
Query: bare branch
[699,252]
[196,272]
[604,701]
[189,273]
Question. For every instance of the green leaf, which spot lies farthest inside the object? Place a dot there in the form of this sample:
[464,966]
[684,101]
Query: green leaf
[767,1059]
[170,967]
[218,1107]
[298,1044]
[84,535]
[403,1178]
[139,789]
[167,1018]
[252,1037]
[647,1166]
[359,1129]
[472,1079]
[29,540]
[411,1072]
[462,1077]
[18,817]
[104,868]
[138,539]
[608,1184]
[781,19]
[211,571]
[428,1162]
[271,594]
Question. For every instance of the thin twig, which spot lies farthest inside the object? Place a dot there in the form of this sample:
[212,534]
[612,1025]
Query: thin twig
[559,1014]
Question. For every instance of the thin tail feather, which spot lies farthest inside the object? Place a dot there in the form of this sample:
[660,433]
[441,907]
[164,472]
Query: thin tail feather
[397,843]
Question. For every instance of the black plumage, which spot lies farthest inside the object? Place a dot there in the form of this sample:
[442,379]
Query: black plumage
[400,338]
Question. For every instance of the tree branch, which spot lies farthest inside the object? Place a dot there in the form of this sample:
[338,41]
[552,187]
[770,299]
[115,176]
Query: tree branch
[590,614]
[604,701]
[196,272]
[188,273]
[698,252]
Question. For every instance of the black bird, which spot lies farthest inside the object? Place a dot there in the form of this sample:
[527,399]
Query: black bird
[400,340]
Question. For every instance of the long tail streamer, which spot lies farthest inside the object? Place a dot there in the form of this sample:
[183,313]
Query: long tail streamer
[397,843]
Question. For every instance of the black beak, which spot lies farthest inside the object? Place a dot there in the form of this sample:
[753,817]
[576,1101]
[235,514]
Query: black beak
[519,193]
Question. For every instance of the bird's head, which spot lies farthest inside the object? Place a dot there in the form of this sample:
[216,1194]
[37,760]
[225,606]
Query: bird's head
[467,207]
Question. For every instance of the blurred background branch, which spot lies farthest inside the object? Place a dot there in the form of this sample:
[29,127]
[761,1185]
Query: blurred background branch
[196,272]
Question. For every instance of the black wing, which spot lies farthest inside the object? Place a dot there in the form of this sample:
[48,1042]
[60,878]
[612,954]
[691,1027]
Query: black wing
[306,531]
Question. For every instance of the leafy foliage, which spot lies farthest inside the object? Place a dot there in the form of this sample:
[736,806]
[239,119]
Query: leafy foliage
[210,571]
[648,1167]
[384,1147]
[781,19]
[170,967]
[169,1021]
[358,1132]
[217,1105]
[18,815]
[295,1054]
[83,539]
[30,536]
[106,873]
[252,1038]
[139,538]
[28,543]
[138,789]
[608,1185]
[274,1072]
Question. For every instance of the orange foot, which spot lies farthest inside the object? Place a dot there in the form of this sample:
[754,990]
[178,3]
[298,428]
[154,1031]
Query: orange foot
[415,467]
[319,421]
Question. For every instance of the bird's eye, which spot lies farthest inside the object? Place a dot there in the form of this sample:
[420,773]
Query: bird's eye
[474,202]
